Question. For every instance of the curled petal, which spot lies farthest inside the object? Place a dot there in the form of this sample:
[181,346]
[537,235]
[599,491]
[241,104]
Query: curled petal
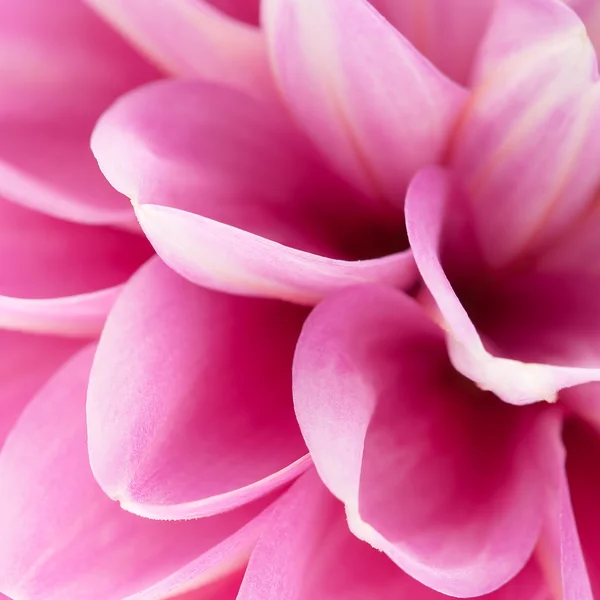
[61,277]
[63,538]
[385,417]
[447,32]
[209,43]
[60,66]
[189,403]
[307,551]
[526,149]
[233,197]
[543,329]
[376,107]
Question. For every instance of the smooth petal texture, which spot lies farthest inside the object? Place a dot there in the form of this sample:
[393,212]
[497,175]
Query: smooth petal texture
[527,328]
[26,363]
[63,538]
[60,66]
[447,32]
[307,551]
[61,277]
[386,417]
[189,404]
[376,107]
[233,197]
[209,44]
[526,150]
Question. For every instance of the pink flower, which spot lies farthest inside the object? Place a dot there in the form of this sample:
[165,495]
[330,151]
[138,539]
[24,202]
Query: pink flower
[422,174]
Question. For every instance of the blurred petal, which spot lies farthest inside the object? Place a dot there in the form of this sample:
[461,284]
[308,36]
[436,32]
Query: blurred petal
[209,44]
[234,198]
[385,417]
[26,363]
[307,552]
[376,107]
[533,331]
[61,277]
[559,549]
[189,405]
[60,66]
[447,32]
[527,147]
[63,538]
[583,453]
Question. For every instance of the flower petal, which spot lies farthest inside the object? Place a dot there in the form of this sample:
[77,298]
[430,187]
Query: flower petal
[63,538]
[189,405]
[61,277]
[583,452]
[374,105]
[209,43]
[527,145]
[385,417]
[447,32]
[233,197]
[60,66]
[26,363]
[543,328]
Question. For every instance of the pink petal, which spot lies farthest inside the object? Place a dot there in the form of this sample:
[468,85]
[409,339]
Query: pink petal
[527,146]
[583,452]
[385,418]
[234,198]
[26,363]
[209,44]
[447,32]
[189,406]
[62,538]
[307,552]
[57,276]
[60,66]
[374,105]
[543,328]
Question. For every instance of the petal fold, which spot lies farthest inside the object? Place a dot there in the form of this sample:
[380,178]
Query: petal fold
[63,538]
[373,104]
[189,403]
[385,417]
[540,330]
[233,197]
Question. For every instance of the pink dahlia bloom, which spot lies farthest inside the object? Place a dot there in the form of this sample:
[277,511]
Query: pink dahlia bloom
[352,349]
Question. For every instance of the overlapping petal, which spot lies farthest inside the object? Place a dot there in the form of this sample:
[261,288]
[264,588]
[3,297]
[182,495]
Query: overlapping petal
[233,197]
[375,106]
[385,417]
[307,551]
[189,404]
[540,330]
[60,66]
[526,149]
[63,538]
[61,277]
[447,32]
[216,40]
